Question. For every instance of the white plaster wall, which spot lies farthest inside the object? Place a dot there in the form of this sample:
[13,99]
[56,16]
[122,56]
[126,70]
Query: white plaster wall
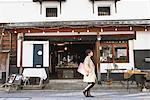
[142,41]
[76,9]
[130,65]
[133,9]
[28,11]
[28,53]
[14,11]
[18,52]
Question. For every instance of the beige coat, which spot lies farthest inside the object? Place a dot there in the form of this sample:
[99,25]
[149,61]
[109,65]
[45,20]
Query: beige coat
[89,66]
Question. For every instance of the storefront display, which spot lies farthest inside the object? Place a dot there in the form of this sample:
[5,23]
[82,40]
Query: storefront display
[67,57]
[114,52]
[67,64]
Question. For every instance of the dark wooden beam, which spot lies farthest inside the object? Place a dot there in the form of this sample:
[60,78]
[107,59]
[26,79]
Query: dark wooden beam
[97,45]
[40,7]
[115,6]
[54,0]
[106,0]
[93,2]
[60,6]
[21,55]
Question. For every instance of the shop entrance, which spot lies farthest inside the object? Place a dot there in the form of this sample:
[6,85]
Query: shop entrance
[65,54]
[38,55]
[65,58]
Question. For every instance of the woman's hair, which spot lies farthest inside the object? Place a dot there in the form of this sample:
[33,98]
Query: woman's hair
[87,51]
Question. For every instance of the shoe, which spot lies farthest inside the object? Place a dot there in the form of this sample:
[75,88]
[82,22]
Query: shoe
[90,96]
[85,93]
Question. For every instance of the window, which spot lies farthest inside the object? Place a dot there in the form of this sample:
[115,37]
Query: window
[51,12]
[114,52]
[106,53]
[103,11]
[120,53]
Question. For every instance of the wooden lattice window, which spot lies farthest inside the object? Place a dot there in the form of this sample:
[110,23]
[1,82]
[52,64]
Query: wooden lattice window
[103,11]
[51,12]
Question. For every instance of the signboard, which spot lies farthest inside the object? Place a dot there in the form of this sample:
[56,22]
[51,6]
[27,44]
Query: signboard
[147,59]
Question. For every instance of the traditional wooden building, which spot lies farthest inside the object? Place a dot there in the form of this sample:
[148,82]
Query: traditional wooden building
[58,45]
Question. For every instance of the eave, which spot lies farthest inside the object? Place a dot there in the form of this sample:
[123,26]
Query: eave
[78,24]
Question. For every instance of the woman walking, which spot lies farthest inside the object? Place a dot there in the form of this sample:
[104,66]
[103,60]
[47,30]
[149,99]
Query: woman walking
[90,77]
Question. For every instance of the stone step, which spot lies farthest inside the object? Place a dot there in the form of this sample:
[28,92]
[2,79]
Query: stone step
[78,84]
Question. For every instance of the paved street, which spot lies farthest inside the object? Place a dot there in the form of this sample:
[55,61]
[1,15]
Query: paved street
[73,95]
[72,90]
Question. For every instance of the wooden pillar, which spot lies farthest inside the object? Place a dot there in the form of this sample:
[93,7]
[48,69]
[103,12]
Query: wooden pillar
[21,37]
[1,39]
[21,53]
[7,65]
[10,39]
[97,45]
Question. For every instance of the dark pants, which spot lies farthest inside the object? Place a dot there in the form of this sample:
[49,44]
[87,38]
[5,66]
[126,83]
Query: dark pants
[89,86]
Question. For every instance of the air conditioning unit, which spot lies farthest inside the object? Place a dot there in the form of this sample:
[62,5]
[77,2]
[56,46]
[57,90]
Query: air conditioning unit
[147,59]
